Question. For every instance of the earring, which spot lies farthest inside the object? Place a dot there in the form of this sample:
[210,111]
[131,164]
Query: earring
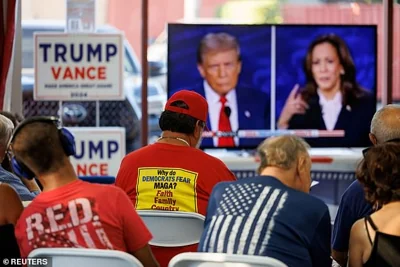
[342,72]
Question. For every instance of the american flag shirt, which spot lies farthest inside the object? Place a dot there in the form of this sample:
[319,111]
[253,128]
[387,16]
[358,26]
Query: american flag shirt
[262,216]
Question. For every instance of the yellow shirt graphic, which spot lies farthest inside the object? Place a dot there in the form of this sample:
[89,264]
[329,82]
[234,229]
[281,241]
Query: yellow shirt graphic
[171,189]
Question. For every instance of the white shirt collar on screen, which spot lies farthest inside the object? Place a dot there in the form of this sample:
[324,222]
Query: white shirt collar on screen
[214,108]
[330,109]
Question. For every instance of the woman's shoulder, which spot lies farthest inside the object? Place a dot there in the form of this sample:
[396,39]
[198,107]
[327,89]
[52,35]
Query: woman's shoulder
[392,225]
[8,195]
[364,93]
[364,97]
[367,93]
[357,233]
[6,190]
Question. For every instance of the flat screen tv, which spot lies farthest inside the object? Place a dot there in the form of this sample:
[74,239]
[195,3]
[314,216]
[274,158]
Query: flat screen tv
[315,81]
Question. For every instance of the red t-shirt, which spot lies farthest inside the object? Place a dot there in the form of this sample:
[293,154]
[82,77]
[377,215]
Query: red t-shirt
[81,215]
[170,177]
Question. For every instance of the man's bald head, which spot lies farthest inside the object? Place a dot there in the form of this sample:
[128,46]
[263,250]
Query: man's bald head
[385,124]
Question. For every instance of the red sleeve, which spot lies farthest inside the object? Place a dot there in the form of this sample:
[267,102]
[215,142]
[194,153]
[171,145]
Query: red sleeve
[136,234]
[230,176]
[127,179]
[225,174]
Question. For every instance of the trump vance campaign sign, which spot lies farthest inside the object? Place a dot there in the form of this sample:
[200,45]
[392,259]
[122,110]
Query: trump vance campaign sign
[99,151]
[79,66]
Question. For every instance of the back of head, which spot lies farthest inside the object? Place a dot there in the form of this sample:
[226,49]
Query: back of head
[6,129]
[281,151]
[177,122]
[182,111]
[385,124]
[38,146]
[379,173]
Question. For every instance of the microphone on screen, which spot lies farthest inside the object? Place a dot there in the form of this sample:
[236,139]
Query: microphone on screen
[227,111]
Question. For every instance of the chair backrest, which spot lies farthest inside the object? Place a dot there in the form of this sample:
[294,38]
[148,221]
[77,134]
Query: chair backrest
[173,228]
[198,259]
[65,257]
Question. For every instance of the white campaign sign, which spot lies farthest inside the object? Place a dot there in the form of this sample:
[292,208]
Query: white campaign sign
[79,66]
[99,151]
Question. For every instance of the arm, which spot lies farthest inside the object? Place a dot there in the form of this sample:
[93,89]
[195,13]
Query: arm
[10,205]
[224,174]
[127,178]
[341,231]
[136,234]
[230,176]
[16,183]
[320,244]
[145,256]
[31,185]
[356,244]
[294,105]
[352,207]
[340,257]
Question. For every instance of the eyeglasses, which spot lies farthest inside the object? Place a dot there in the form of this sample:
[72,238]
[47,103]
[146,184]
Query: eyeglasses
[364,151]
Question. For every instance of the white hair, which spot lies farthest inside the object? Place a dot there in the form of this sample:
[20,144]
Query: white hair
[281,151]
[6,130]
[385,124]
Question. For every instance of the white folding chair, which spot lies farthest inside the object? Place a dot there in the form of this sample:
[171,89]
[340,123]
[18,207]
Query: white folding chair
[199,259]
[173,228]
[66,257]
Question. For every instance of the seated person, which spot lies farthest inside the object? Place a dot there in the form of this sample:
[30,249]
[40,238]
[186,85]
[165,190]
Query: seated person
[27,190]
[353,206]
[173,174]
[10,210]
[375,239]
[271,214]
[70,212]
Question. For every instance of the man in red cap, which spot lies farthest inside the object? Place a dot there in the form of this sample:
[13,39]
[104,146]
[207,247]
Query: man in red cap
[173,174]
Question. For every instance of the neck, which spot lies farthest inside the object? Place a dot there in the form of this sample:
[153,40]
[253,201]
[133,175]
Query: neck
[286,177]
[178,139]
[62,176]
[330,94]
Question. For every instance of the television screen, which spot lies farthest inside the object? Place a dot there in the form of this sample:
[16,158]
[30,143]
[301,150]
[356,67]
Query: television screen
[314,81]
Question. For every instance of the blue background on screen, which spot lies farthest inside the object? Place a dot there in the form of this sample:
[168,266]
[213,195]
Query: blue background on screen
[292,43]
[183,42]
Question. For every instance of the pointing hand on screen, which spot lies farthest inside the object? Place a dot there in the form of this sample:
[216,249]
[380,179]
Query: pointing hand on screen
[294,105]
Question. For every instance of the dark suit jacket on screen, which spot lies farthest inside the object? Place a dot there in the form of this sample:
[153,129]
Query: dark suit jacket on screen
[354,119]
[249,101]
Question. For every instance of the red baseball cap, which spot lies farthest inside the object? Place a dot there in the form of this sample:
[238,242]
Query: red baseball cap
[198,107]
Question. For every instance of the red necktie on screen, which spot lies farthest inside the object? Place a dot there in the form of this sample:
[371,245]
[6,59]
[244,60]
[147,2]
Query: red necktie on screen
[224,125]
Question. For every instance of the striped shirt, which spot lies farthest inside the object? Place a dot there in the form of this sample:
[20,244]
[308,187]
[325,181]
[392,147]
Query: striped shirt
[262,216]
